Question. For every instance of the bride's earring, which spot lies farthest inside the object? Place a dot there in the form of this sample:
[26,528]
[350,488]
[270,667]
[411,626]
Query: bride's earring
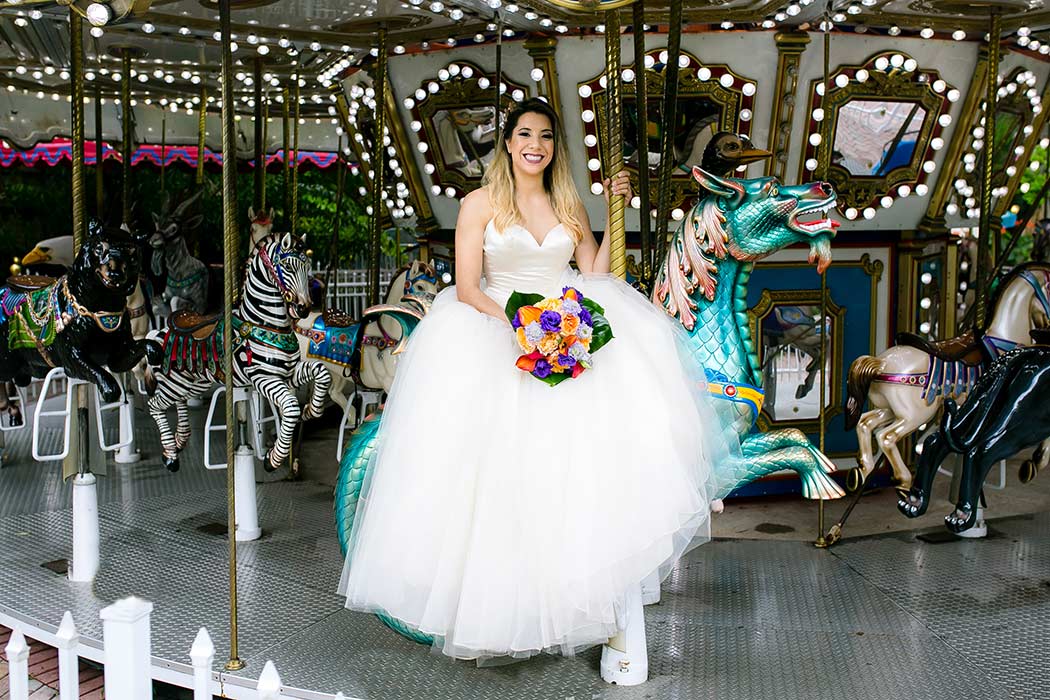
[625,658]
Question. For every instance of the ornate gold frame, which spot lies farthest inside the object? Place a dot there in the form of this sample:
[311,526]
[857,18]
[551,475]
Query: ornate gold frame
[890,84]
[456,92]
[737,111]
[811,297]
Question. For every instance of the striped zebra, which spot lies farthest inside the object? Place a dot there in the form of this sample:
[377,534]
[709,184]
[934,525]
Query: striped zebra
[265,351]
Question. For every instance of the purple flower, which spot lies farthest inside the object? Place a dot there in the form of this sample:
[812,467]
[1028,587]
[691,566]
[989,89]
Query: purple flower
[585,317]
[515,323]
[566,361]
[550,321]
[542,369]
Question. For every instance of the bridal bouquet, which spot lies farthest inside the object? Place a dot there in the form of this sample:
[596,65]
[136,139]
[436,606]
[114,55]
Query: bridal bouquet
[558,335]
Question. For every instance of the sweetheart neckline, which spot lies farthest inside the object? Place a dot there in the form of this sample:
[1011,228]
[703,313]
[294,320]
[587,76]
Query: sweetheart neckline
[528,233]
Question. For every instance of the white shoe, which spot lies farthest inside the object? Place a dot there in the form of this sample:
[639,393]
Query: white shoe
[629,667]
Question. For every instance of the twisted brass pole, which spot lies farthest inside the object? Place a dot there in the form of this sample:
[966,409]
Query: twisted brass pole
[230,265]
[669,116]
[76,59]
[614,154]
[498,77]
[126,136]
[286,142]
[295,161]
[641,102]
[266,136]
[984,242]
[822,541]
[260,165]
[378,160]
[202,130]
[100,200]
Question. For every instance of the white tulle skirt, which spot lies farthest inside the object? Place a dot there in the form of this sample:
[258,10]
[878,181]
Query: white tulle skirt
[506,517]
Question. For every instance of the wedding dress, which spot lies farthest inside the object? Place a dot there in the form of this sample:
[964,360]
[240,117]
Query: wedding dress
[504,516]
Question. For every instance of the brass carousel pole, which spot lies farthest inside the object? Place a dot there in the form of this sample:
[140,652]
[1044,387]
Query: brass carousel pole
[230,267]
[76,56]
[258,201]
[984,242]
[286,142]
[295,160]
[668,117]
[100,200]
[266,136]
[126,135]
[641,101]
[821,541]
[377,163]
[497,79]
[614,153]
[202,127]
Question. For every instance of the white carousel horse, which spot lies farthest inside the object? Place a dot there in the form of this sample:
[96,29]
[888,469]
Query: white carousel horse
[366,357]
[261,225]
[907,384]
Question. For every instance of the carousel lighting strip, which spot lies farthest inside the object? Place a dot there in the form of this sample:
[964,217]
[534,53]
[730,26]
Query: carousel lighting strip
[744,89]
[455,74]
[888,62]
[965,192]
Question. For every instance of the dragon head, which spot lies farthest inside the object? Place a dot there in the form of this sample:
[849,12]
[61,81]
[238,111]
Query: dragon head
[746,220]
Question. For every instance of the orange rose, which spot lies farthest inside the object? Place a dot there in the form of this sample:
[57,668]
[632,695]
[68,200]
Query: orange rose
[549,343]
[523,342]
[569,323]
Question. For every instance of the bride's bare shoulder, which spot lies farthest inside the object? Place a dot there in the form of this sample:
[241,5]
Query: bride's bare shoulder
[476,205]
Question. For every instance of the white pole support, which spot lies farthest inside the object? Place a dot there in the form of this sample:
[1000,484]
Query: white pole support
[246,510]
[269,683]
[127,453]
[85,529]
[17,665]
[202,653]
[126,637]
[68,662]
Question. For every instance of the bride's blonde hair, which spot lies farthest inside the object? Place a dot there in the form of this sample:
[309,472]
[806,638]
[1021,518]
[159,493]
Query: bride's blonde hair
[557,180]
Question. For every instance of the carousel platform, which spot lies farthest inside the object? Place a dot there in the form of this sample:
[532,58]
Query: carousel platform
[895,616]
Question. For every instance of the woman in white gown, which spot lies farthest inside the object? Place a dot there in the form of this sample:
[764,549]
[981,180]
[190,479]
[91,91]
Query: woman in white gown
[504,516]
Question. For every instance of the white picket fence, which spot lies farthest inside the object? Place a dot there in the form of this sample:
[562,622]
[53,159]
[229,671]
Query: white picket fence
[126,642]
[348,289]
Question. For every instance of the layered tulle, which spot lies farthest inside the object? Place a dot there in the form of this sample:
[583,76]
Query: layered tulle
[504,516]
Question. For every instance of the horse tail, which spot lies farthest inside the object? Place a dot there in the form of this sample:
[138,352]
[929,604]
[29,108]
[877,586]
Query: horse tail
[861,373]
[151,380]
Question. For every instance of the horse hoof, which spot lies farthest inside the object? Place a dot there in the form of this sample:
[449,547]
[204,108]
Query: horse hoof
[909,504]
[172,464]
[960,520]
[1027,471]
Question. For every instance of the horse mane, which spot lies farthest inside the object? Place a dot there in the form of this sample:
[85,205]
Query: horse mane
[691,261]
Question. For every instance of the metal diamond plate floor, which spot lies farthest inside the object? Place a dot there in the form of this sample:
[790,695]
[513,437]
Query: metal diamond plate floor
[883,618]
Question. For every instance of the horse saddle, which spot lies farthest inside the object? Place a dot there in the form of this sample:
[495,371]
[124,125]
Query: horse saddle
[29,283]
[186,322]
[964,348]
[336,318]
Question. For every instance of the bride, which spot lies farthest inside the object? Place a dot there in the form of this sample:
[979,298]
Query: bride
[503,516]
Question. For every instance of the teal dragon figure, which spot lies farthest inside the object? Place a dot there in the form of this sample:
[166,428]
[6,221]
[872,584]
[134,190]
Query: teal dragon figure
[702,284]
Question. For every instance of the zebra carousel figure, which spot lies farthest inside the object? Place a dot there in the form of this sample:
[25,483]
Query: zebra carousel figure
[265,351]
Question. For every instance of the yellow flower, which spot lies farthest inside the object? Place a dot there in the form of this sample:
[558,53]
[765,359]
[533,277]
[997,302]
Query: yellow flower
[549,344]
[549,304]
[523,341]
[569,324]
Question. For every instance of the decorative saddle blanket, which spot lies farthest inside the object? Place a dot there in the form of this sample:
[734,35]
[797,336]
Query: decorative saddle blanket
[34,318]
[196,353]
[332,343]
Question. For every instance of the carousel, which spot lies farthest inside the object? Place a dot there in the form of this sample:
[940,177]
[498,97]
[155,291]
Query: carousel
[224,220]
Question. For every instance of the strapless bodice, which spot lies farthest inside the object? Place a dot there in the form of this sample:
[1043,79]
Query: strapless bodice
[514,261]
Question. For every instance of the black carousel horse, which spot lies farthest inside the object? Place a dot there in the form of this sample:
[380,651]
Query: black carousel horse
[1006,412]
[78,322]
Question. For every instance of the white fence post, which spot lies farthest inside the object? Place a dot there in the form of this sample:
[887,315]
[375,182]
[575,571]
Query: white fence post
[68,661]
[126,637]
[269,683]
[203,655]
[17,665]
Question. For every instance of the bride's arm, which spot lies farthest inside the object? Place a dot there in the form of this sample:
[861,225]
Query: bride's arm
[474,215]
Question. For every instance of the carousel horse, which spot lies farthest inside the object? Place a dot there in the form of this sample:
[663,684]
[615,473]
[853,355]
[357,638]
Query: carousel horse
[261,225]
[364,352]
[186,286]
[702,284]
[1005,412]
[265,351]
[78,322]
[907,383]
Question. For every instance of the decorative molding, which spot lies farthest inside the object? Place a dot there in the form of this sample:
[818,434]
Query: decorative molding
[790,47]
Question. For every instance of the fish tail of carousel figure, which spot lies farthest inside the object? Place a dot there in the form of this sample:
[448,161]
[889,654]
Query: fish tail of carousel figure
[763,454]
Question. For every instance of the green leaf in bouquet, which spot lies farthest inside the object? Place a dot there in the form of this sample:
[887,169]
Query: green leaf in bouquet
[553,379]
[518,300]
[602,330]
